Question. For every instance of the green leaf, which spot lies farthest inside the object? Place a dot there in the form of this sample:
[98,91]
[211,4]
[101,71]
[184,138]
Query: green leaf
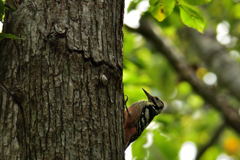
[195,101]
[154,2]
[235,11]
[7,35]
[191,17]
[160,9]
[184,88]
[133,5]
[197,2]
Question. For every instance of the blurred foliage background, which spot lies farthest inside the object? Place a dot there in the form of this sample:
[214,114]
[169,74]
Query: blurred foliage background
[188,125]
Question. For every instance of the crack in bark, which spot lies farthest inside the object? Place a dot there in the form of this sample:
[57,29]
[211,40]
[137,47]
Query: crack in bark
[17,98]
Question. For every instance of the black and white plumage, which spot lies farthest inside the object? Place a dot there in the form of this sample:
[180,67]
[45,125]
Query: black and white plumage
[139,115]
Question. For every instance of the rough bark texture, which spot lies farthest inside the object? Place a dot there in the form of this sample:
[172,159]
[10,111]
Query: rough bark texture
[61,85]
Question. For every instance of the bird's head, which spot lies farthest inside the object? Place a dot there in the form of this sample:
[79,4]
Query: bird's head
[158,104]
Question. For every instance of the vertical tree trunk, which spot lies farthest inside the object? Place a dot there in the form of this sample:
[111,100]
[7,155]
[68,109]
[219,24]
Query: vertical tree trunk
[61,95]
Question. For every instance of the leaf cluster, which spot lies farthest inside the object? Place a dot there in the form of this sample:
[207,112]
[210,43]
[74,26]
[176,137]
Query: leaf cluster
[188,10]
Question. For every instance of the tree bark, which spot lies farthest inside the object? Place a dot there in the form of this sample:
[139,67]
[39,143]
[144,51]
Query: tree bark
[61,94]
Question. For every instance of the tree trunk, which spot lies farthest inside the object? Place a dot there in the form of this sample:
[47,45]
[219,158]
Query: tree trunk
[61,95]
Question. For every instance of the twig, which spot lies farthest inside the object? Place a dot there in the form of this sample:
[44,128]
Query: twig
[211,141]
[125,105]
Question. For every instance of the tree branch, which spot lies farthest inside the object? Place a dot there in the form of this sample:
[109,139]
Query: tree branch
[211,141]
[217,59]
[164,46]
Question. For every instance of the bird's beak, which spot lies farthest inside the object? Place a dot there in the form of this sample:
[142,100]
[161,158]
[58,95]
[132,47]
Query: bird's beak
[149,96]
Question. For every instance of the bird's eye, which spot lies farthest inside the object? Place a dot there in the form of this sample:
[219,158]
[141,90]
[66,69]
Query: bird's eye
[157,98]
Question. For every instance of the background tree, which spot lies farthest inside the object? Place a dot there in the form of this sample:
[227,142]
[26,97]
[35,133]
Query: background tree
[197,75]
[61,80]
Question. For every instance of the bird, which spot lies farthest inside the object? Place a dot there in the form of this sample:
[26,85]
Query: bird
[139,115]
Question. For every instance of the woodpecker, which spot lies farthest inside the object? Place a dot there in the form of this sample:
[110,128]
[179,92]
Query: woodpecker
[138,116]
